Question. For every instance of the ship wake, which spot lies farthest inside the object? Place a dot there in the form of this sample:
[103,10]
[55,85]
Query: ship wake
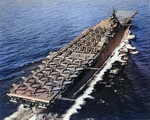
[21,114]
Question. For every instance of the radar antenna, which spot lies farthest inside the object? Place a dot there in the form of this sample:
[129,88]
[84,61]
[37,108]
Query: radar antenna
[114,13]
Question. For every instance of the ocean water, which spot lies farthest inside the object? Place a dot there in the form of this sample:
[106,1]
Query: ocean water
[29,30]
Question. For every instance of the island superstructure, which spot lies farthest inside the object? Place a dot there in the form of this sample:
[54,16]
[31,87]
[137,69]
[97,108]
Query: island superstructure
[74,64]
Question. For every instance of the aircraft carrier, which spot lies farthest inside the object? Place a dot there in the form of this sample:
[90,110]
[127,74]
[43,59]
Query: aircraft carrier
[63,72]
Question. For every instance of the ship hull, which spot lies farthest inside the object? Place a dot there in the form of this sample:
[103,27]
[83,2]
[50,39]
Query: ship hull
[65,72]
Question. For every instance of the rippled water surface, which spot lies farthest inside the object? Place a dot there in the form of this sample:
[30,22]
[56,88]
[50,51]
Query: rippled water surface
[29,30]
